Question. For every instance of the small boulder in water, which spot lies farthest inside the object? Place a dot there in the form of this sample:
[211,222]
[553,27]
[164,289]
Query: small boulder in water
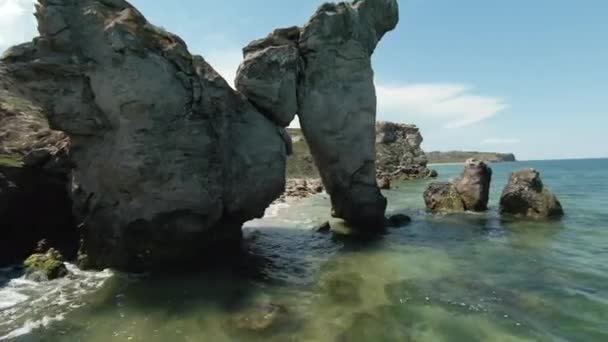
[323,228]
[49,265]
[398,220]
[526,196]
[384,183]
[259,319]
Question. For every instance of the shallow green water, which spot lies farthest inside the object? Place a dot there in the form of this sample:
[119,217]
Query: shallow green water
[457,277]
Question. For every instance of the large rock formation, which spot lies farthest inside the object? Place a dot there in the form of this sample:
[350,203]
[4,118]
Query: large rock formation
[34,168]
[169,160]
[526,196]
[399,154]
[470,191]
[336,100]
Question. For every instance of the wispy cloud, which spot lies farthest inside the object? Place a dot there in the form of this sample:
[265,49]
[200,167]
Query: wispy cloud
[456,105]
[500,141]
[17,24]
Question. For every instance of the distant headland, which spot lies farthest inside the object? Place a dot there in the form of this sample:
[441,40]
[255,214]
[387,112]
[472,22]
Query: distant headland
[437,157]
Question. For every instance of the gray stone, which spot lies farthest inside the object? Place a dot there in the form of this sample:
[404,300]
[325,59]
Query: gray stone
[268,75]
[474,185]
[526,196]
[337,103]
[170,161]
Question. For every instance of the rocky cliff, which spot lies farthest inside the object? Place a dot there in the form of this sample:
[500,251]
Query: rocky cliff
[169,160]
[398,154]
[460,156]
[166,161]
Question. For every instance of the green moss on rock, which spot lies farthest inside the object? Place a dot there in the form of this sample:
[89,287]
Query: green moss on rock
[49,264]
[12,161]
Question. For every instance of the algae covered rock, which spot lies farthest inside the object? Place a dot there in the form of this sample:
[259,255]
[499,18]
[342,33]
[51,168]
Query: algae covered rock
[526,196]
[262,318]
[49,265]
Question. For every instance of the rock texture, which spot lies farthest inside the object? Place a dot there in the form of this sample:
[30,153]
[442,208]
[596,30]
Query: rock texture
[443,196]
[526,196]
[336,100]
[470,191]
[169,160]
[399,154]
[474,185]
[268,75]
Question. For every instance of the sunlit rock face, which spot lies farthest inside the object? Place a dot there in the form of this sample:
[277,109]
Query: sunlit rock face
[169,160]
[336,99]
[525,195]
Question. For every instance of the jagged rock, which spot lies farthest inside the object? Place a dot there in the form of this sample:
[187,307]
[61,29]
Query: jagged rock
[268,75]
[337,103]
[399,154]
[526,196]
[170,161]
[474,185]
[470,191]
[443,196]
[45,266]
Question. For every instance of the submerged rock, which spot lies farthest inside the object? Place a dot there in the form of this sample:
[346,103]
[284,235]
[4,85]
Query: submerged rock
[398,220]
[343,288]
[337,103]
[260,319]
[526,196]
[443,196]
[48,265]
[170,161]
[470,191]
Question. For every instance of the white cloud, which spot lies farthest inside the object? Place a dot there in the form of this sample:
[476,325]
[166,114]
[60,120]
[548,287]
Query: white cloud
[17,23]
[500,141]
[453,104]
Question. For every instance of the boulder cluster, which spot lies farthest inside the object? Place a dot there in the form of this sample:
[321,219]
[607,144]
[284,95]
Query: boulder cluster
[163,161]
[523,196]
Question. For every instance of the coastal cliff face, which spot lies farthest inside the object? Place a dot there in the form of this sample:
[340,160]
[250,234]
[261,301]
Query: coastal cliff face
[399,154]
[332,50]
[169,160]
[460,156]
[166,161]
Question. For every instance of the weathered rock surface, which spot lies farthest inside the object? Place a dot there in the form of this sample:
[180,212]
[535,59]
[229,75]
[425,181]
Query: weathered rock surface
[443,196]
[337,103]
[526,196]
[470,191]
[335,93]
[399,154]
[268,75]
[474,185]
[169,160]
[298,188]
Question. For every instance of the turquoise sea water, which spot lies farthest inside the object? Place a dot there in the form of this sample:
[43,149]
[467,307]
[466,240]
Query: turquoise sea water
[447,277]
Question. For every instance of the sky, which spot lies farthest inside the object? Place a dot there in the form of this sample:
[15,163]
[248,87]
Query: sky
[521,76]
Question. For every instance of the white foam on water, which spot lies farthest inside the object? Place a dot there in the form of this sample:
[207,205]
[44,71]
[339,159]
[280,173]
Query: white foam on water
[26,305]
[274,209]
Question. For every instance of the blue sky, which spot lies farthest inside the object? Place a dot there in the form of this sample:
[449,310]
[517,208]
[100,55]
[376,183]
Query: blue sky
[521,76]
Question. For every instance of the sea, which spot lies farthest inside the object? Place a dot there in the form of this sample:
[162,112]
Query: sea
[444,277]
